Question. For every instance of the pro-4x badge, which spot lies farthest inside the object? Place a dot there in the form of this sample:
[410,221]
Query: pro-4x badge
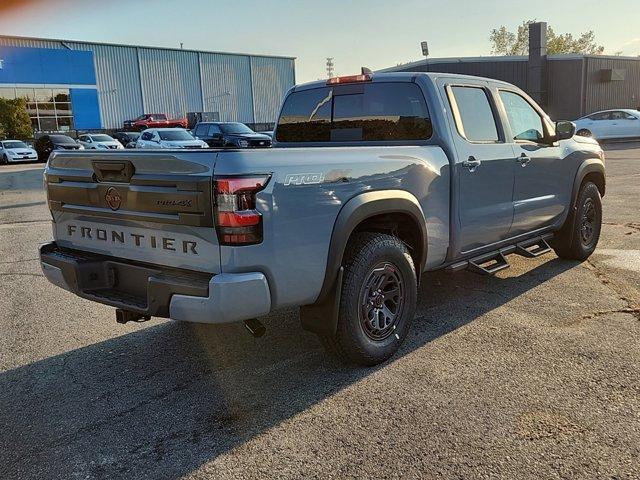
[303,178]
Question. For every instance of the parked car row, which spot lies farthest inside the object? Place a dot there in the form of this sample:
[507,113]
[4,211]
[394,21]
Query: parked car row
[154,134]
[204,135]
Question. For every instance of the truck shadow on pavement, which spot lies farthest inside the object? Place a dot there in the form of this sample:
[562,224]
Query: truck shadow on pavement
[162,401]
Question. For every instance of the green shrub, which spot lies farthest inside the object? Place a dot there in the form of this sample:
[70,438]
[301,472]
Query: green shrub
[14,119]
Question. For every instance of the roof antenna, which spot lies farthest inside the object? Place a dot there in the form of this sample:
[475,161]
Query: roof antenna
[366,71]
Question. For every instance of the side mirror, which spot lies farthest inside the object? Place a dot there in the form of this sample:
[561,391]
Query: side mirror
[565,130]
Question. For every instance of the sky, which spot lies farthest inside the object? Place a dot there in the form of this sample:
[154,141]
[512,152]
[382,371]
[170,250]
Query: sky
[371,33]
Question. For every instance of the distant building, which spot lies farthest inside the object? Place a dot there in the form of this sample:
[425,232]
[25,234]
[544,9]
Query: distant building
[77,85]
[566,86]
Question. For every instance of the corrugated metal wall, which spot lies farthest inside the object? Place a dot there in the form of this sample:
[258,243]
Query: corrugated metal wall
[226,86]
[119,90]
[512,71]
[564,89]
[170,81]
[271,78]
[602,95]
[135,80]
[29,42]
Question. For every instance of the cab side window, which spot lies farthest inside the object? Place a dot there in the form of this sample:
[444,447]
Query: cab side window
[474,117]
[201,130]
[214,130]
[526,123]
[146,136]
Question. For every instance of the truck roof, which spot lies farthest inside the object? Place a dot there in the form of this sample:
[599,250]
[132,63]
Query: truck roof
[401,77]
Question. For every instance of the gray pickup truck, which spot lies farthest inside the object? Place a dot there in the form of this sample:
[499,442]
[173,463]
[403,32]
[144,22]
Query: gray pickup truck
[374,180]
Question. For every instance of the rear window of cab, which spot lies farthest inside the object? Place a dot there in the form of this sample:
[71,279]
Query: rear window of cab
[364,112]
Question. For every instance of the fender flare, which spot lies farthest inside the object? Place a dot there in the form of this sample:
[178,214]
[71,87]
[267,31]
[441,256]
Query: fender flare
[321,317]
[591,165]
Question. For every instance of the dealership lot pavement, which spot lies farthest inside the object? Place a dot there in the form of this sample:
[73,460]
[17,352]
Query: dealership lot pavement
[534,373]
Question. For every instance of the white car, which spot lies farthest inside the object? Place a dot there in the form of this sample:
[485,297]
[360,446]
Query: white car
[609,124]
[168,138]
[16,151]
[99,142]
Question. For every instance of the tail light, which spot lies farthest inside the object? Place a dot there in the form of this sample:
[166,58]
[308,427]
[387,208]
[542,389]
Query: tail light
[237,220]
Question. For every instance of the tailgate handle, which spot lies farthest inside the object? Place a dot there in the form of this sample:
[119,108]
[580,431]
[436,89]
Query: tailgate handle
[113,171]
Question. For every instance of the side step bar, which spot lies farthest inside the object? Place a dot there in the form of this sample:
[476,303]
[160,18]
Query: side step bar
[533,249]
[488,264]
[492,262]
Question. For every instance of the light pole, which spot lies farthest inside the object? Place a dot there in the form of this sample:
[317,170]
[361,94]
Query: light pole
[425,50]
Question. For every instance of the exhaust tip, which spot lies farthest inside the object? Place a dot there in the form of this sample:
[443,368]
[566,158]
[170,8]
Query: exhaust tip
[255,327]
[124,316]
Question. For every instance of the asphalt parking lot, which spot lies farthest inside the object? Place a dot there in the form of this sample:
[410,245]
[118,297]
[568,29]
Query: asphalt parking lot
[534,373]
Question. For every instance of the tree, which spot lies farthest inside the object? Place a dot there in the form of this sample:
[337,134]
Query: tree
[505,42]
[14,119]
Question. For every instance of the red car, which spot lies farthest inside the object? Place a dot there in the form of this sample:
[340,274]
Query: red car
[154,120]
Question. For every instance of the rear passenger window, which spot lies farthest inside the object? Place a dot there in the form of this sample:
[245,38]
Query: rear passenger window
[474,117]
[355,112]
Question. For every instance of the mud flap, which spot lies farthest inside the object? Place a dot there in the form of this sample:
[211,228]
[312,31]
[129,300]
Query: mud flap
[322,318]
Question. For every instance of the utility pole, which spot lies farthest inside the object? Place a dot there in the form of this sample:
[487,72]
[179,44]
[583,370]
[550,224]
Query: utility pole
[329,65]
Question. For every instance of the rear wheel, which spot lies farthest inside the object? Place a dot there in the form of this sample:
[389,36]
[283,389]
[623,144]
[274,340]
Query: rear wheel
[378,300]
[579,236]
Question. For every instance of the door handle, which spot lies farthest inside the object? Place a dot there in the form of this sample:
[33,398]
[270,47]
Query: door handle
[471,164]
[524,160]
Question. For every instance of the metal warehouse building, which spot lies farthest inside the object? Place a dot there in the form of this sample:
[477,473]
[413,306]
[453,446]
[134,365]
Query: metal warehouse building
[566,86]
[77,85]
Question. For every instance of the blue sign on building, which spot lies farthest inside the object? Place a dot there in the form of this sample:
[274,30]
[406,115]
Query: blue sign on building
[62,81]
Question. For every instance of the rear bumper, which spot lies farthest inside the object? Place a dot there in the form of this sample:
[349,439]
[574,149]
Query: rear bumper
[157,291]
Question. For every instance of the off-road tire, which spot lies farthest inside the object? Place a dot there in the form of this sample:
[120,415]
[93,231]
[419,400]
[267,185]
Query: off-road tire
[579,236]
[368,255]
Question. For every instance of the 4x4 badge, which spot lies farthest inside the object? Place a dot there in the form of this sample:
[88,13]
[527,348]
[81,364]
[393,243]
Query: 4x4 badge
[113,198]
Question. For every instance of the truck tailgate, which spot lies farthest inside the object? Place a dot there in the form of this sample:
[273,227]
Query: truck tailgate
[151,207]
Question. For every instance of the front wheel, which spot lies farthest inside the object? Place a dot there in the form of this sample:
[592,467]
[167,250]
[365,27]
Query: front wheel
[378,300]
[579,237]
[4,160]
